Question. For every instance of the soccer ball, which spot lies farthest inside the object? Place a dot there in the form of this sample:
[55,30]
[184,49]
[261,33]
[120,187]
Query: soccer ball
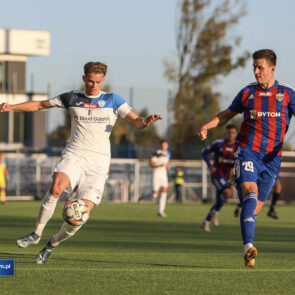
[75,212]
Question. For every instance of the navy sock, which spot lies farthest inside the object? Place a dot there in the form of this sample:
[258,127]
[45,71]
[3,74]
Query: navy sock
[247,217]
[208,218]
[219,203]
[273,201]
[215,207]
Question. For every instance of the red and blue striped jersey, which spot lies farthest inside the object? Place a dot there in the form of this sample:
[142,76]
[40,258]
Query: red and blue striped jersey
[267,114]
[223,158]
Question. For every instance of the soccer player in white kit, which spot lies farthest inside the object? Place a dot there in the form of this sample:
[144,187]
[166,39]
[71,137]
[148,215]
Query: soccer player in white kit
[160,164]
[85,160]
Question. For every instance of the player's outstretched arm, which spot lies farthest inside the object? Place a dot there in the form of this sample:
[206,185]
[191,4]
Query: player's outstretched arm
[219,120]
[140,122]
[29,106]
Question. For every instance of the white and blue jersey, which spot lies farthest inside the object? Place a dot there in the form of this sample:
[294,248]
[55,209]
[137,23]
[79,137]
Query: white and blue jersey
[92,118]
[160,176]
[161,158]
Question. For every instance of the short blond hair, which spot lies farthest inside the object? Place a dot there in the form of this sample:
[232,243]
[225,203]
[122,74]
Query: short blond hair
[95,67]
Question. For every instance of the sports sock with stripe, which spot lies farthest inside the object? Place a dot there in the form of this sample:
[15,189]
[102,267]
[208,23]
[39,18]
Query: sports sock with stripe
[45,213]
[247,217]
[66,231]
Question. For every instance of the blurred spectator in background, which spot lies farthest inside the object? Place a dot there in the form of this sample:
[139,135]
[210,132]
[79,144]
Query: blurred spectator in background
[3,175]
[178,184]
[160,164]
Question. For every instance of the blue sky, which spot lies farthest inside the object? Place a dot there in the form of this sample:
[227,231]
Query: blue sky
[133,37]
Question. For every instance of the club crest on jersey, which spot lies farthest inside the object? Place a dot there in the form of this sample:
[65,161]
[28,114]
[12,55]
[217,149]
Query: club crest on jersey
[101,103]
[89,105]
[280,96]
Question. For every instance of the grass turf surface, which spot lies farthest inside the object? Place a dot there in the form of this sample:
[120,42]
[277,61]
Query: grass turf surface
[127,249]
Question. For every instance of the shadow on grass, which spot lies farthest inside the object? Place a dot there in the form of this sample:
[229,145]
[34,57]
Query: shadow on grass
[153,235]
[24,256]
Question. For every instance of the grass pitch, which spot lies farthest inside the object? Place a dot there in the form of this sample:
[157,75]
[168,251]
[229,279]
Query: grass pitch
[127,249]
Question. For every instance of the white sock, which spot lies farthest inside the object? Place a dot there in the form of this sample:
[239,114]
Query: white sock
[45,213]
[162,202]
[247,247]
[66,231]
[155,195]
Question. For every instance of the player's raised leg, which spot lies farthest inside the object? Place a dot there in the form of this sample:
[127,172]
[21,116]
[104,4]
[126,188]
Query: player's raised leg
[60,183]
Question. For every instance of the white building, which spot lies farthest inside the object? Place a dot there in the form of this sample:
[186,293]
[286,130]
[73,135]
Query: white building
[21,130]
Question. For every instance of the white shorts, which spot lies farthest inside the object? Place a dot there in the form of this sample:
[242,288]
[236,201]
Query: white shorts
[160,180]
[86,180]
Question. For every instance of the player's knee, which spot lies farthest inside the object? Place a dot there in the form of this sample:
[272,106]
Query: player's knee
[249,187]
[164,190]
[56,190]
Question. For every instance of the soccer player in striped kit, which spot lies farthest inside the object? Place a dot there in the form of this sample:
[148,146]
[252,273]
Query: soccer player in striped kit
[223,162]
[268,106]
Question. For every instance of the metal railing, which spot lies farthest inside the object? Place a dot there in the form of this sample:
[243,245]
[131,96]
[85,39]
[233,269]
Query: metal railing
[129,179]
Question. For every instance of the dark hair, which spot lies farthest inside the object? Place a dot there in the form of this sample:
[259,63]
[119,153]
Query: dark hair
[231,126]
[95,67]
[267,54]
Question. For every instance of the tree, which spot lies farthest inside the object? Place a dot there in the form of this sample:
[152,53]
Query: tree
[61,133]
[121,132]
[205,52]
[148,135]
[288,147]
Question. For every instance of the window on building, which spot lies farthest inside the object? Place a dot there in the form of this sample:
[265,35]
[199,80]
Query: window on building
[3,128]
[2,86]
[18,127]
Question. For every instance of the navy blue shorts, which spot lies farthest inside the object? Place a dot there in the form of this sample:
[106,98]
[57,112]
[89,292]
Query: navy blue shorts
[220,183]
[255,167]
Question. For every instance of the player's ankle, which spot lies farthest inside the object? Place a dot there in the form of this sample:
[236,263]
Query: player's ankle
[35,235]
[247,246]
